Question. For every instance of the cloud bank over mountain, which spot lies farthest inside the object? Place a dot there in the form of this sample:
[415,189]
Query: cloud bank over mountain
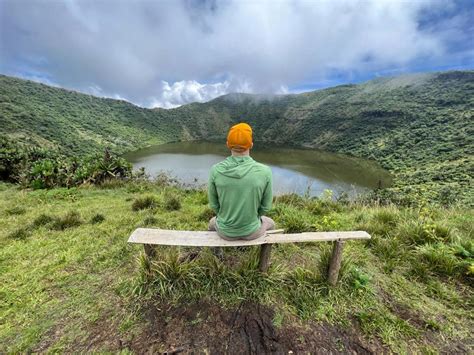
[168,53]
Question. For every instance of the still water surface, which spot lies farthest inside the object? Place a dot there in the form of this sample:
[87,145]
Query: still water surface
[294,170]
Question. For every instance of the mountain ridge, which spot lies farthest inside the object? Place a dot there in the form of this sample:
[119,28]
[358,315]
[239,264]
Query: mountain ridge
[416,126]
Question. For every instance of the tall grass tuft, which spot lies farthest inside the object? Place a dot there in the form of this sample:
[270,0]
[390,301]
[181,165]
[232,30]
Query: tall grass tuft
[292,219]
[419,232]
[438,259]
[388,216]
[97,218]
[150,221]
[145,202]
[291,200]
[172,275]
[42,220]
[172,203]
[69,220]
[20,234]
[15,211]
[206,214]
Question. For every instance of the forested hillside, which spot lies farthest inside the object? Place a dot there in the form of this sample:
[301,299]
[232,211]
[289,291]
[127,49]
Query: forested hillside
[417,126]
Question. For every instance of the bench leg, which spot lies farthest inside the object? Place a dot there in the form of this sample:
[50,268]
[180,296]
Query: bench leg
[335,262]
[264,261]
[149,251]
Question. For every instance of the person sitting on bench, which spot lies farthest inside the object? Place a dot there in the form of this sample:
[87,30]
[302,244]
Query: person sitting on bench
[240,190]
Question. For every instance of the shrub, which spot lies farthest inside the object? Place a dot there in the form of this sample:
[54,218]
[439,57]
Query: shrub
[142,203]
[69,220]
[172,203]
[42,220]
[97,218]
[39,168]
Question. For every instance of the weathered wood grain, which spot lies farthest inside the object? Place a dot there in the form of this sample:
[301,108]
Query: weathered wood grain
[264,261]
[211,239]
[335,262]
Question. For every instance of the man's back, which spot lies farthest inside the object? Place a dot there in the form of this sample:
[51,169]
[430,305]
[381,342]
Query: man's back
[240,191]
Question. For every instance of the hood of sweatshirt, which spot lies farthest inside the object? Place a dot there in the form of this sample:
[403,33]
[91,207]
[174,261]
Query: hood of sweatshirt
[235,167]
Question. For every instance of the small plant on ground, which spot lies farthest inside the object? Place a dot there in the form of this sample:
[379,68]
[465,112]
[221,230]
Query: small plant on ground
[278,319]
[42,220]
[150,221]
[15,211]
[20,234]
[172,203]
[142,203]
[69,220]
[206,214]
[97,218]
[360,280]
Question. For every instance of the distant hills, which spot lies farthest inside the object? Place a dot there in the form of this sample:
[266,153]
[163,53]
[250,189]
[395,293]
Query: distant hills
[420,126]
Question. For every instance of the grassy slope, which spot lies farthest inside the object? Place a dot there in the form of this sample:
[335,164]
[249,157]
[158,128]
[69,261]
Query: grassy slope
[75,123]
[60,288]
[411,289]
[417,126]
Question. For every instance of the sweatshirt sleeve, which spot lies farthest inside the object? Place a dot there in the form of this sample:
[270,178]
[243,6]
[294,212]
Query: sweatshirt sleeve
[212,193]
[267,198]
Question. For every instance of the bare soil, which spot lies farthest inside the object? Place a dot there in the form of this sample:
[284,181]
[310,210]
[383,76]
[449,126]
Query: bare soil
[246,329]
[205,328]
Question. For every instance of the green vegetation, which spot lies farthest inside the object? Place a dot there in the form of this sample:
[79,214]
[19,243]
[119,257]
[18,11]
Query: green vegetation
[63,278]
[419,127]
[70,282]
[37,168]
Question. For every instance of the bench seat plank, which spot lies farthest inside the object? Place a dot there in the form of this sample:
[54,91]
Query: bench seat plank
[211,239]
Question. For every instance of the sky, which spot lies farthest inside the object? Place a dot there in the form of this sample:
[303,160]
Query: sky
[169,53]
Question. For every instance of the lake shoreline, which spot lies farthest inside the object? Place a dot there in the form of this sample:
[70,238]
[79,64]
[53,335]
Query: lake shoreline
[296,170]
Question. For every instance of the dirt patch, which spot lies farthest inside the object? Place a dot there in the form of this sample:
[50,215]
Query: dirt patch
[429,330]
[246,329]
[205,328]
[402,311]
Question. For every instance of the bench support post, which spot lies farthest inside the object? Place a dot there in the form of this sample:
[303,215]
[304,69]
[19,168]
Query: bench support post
[264,260]
[149,251]
[335,262]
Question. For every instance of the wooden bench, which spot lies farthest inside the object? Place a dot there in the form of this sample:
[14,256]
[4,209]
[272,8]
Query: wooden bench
[151,236]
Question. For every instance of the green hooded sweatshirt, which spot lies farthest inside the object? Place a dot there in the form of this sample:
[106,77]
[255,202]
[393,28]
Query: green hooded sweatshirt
[240,191]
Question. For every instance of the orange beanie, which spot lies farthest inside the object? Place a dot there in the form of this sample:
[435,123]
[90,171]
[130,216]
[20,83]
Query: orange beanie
[240,136]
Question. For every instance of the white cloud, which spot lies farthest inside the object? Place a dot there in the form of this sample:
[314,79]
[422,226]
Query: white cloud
[182,92]
[161,52]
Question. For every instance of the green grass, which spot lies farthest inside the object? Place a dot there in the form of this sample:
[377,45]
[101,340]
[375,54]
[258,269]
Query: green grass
[64,275]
